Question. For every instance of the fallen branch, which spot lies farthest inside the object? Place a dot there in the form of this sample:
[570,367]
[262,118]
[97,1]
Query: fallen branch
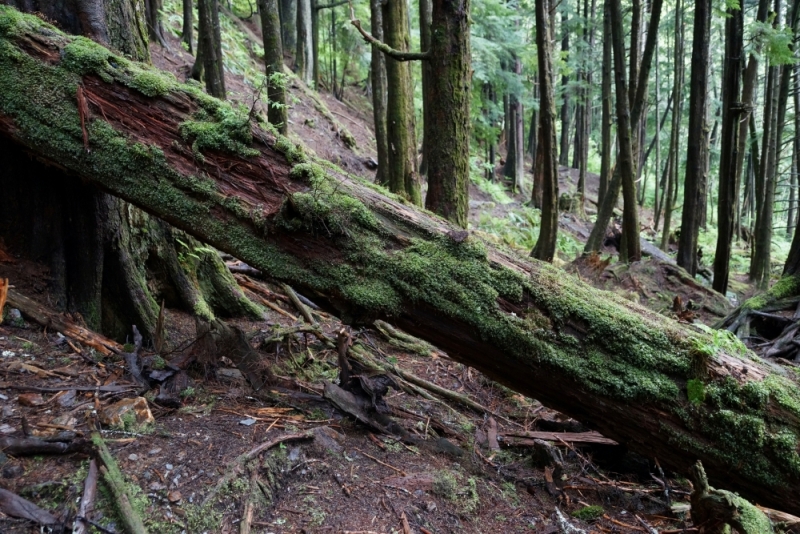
[299,305]
[30,446]
[362,355]
[87,500]
[526,438]
[50,319]
[113,478]
[235,467]
[13,505]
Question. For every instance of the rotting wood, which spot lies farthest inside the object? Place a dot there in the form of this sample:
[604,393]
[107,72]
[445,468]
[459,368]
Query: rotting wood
[113,478]
[526,438]
[13,505]
[297,304]
[3,296]
[87,500]
[50,319]
[591,355]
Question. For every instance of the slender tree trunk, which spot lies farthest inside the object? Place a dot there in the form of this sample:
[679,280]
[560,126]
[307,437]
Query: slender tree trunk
[515,155]
[288,12]
[674,143]
[731,112]
[425,14]
[792,202]
[695,167]
[448,147]
[566,111]
[209,48]
[765,180]
[403,177]
[273,61]
[606,119]
[378,76]
[188,25]
[155,28]
[792,216]
[625,162]
[545,248]
[304,54]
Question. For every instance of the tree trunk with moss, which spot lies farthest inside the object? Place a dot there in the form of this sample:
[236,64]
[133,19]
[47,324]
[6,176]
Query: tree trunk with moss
[661,388]
[110,262]
[378,78]
[402,173]
[273,60]
[448,132]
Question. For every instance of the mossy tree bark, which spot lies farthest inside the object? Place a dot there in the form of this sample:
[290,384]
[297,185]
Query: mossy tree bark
[378,77]
[545,248]
[448,121]
[273,60]
[402,172]
[661,388]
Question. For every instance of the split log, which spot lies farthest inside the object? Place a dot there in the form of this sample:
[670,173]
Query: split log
[663,389]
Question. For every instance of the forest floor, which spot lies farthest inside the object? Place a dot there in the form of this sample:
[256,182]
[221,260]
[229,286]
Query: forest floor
[460,470]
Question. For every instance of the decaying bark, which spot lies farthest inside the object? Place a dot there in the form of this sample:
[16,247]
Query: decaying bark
[661,388]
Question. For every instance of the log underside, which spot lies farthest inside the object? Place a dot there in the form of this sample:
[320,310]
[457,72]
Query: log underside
[205,168]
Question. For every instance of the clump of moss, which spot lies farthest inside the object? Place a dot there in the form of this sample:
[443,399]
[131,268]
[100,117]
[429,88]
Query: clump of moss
[445,485]
[589,513]
[228,131]
[696,391]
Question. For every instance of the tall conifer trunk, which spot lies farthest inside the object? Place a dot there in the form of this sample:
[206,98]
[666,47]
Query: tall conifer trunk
[695,165]
[545,248]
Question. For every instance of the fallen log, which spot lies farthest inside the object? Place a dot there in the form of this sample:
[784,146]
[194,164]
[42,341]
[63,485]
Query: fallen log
[665,390]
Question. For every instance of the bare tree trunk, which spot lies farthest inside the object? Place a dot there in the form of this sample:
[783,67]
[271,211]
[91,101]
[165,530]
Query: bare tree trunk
[304,54]
[378,75]
[154,26]
[288,13]
[545,248]
[625,161]
[566,110]
[606,119]
[188,25]
[695,167]
[731,112]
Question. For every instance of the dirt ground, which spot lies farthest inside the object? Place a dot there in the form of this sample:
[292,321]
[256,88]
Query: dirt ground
[348,479]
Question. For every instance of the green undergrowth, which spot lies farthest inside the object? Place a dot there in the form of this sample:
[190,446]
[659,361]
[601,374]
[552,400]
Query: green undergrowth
[373,263]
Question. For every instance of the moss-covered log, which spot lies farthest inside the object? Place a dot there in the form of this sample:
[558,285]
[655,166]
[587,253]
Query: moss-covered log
[665,390]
